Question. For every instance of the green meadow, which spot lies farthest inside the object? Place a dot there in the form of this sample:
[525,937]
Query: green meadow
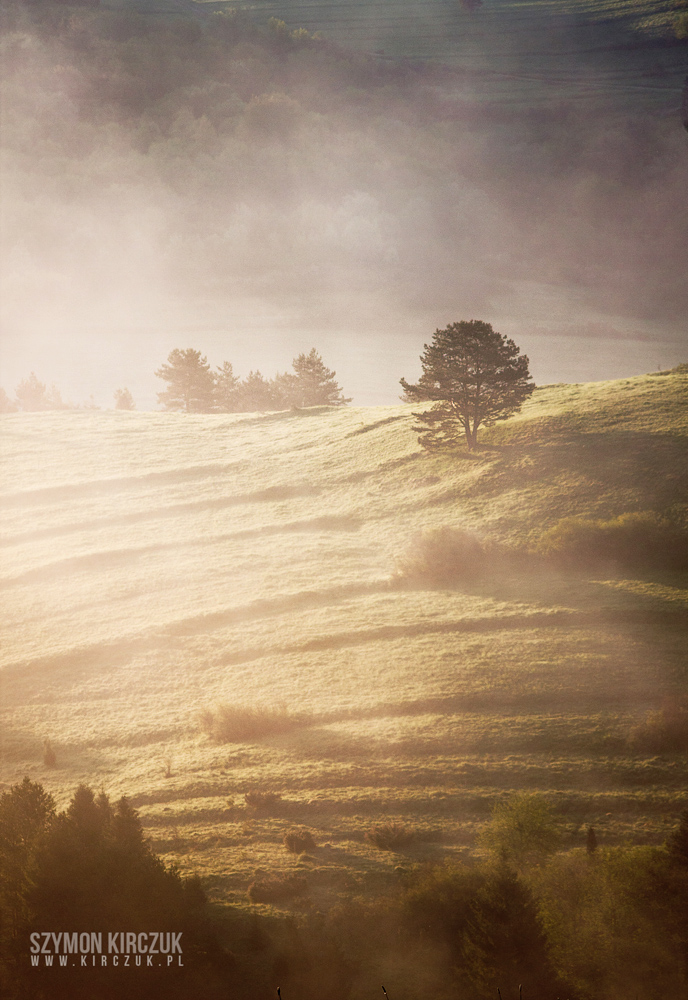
[211,615]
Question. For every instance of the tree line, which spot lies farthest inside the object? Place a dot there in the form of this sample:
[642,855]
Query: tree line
[193,387]
[472,375]
[89,868]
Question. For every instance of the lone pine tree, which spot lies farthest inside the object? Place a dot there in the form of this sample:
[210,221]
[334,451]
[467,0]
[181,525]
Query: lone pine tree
[475,376]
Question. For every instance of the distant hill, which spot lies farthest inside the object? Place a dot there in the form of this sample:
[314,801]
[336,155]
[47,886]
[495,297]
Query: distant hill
[545,50]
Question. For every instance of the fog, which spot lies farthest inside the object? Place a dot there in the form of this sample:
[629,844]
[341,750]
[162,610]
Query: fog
[216,185]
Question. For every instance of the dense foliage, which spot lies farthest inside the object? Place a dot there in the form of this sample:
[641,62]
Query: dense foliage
[194,388]
[474,376]
[89,868]
[573,922]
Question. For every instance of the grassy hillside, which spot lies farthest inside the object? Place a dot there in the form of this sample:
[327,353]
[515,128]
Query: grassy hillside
[589,50]
[156,566]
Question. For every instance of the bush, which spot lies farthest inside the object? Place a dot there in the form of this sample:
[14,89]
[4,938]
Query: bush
[634,541]
[524,829]
[299,841]
[663,731]
[261,801]
[444,556]
[390,837]
[240,724]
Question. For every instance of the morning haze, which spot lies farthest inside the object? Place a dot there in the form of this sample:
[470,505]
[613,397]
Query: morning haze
[210,181]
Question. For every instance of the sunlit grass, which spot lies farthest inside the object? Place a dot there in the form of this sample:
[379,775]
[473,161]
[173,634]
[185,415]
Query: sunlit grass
[156,566]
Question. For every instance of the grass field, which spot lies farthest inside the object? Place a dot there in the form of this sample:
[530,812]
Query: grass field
[156,566]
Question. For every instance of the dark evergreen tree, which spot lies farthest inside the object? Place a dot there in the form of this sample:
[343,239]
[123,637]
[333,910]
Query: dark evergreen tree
[504,940]
[190,382]
[90,869]
[486,921]
[475,376]
[591,841]
[26,812]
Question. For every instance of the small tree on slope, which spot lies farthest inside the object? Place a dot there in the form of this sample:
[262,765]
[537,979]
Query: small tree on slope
[475,376]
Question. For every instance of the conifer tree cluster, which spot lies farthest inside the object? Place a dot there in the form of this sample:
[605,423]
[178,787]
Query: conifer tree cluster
[89,868]
[193,387]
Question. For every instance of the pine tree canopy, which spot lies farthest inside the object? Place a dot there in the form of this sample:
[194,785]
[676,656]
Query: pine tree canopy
[475,376]
[314,384]
[190,382]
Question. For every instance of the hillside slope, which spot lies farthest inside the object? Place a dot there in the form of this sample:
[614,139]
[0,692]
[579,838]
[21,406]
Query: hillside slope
[590,50]
[156,565]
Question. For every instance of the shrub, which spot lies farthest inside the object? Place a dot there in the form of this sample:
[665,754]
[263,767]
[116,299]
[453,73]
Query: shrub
[445,556]
[240,724]
[299,841]
[663,731]
[635,541]
[390,837]
[261,801]
[523,829]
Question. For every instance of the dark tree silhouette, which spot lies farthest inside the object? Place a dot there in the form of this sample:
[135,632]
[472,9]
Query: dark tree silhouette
[190,382]
[26,812]
[475,376]
[89,868]
[487,921]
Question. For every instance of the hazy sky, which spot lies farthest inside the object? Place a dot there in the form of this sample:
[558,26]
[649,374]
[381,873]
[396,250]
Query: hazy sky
[259,205]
